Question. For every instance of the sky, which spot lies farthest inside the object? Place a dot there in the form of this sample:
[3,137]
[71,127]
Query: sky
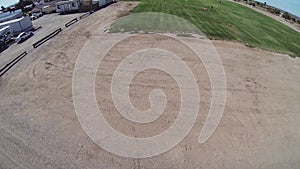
[6,3]
[291,6]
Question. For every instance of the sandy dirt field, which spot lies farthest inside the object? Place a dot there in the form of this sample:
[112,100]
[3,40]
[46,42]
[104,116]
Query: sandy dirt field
[39,127]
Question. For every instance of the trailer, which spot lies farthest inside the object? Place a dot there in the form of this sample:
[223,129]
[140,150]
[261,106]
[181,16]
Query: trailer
[69,6]
[18,25]
[88,5]
[7,16]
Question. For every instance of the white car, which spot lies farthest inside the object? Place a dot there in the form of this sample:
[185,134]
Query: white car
[23,36]
[33,18]
[40,14]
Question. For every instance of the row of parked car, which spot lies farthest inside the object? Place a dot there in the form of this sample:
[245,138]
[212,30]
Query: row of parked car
[34,16]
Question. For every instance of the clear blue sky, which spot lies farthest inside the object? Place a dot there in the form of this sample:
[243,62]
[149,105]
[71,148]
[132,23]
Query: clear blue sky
[6,3]
[291,6]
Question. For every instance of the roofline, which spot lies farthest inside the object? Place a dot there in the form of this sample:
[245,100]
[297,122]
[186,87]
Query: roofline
[12,21]
[65,2]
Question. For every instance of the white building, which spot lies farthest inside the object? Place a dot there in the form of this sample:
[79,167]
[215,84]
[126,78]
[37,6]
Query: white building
[68,6]
[7,16]
[18,25]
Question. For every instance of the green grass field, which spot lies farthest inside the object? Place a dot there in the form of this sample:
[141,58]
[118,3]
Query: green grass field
[230,21]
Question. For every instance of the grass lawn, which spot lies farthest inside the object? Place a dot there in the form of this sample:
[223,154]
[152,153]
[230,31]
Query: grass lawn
[230,21]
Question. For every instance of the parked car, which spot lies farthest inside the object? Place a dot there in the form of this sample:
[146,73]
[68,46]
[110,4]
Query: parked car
[33,17]
[37,14]
[23,36]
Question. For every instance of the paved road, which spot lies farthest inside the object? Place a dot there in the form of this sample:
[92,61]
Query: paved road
[48,23]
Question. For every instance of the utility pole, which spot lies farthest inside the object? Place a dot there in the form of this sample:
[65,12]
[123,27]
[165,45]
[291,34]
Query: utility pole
[91,6]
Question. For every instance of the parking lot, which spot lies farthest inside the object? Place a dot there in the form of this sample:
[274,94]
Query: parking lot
[48,24]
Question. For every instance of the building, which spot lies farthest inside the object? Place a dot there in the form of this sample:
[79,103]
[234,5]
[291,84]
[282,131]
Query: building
[45,7]
[87,6]
[7,16]
[18,25]
[68,6]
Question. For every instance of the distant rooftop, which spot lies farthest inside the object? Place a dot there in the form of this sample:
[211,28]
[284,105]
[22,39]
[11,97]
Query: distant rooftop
[6,16]
[11,21]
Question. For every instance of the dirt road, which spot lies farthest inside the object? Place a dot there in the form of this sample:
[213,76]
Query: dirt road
[39,127]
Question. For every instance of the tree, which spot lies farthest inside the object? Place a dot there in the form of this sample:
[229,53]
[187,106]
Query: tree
[286,16]
[22,3]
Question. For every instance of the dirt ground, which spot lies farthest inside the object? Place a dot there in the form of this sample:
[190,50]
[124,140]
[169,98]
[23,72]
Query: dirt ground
[39,127]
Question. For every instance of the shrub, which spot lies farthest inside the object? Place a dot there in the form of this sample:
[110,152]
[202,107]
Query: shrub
[275,11]
[286,16]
